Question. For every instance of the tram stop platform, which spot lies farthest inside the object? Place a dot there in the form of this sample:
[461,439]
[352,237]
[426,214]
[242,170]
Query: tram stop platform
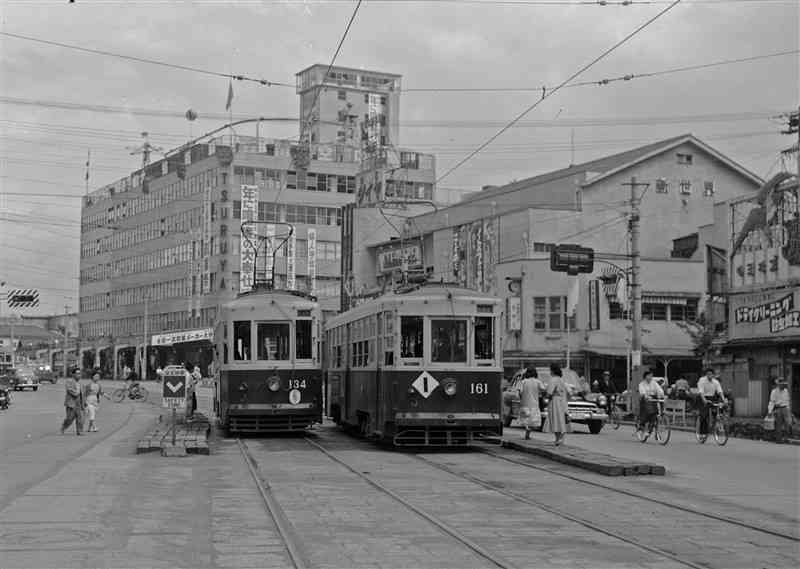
[191,437]
[580,458]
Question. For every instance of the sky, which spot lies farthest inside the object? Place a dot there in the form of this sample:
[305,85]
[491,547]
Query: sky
[439,45]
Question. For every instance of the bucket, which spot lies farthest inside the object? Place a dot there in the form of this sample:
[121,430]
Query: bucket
[769,423]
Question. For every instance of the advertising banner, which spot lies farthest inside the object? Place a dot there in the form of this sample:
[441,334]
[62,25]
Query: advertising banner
[291,248]
[247,255]
[766,314]
[392,257]
[312,260]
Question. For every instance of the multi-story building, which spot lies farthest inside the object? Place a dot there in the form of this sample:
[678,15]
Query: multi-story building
[163,247]
[499,239]
[762,252]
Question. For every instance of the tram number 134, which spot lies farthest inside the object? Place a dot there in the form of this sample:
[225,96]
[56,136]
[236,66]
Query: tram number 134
[297,384]
[478,388]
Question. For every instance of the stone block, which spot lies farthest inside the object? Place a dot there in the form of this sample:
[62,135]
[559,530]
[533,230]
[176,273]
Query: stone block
[170,450]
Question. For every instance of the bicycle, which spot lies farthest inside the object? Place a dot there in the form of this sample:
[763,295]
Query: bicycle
[659,425]
[717,424]
[120,393]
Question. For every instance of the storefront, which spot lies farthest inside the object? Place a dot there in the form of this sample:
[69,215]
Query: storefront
[763,343]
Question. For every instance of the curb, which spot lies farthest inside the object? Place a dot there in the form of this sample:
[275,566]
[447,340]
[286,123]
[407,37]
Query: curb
[595,462]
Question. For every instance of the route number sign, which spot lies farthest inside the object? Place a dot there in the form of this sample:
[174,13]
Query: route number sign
[173,387]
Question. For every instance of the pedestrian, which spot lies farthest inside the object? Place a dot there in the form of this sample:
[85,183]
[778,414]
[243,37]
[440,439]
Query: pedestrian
[73,403]
[556,422]
[681,388]
[190,387]
[92,395]
[779,407]
[197,376]
[529,390]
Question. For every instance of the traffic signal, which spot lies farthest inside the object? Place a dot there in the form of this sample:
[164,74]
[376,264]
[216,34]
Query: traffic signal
[571,259]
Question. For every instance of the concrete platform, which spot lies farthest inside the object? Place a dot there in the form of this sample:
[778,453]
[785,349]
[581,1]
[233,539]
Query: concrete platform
[593,461]
[192,436]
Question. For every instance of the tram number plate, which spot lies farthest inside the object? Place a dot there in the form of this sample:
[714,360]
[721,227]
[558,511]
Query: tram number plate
[297,384]
[478,388]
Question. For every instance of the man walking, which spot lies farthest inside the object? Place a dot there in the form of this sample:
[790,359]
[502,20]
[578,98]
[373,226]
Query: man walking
[73,403]
[779,407]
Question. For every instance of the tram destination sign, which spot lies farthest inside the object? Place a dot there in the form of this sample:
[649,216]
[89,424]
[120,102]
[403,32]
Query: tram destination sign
[173,387]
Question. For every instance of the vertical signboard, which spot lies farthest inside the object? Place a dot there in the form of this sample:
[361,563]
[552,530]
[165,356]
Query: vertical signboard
[594,305]
[291,246]
[269,250]
[514,313]
[312,260]
[206,279]
[247,255]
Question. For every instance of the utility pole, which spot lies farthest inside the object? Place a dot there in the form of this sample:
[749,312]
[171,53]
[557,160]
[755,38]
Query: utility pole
[636,288]
[146,342]
[66,343]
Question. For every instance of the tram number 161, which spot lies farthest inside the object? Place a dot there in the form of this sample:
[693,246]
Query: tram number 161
[478,388]
[297,384]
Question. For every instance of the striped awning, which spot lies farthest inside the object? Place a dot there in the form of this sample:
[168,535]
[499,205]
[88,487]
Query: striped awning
[663,299]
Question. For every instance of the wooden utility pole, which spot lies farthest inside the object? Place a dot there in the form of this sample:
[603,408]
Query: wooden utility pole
[636,288]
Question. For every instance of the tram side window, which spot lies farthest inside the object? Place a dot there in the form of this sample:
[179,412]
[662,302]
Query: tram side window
[448,340]
[484,338]
[411,337]
[303,339]
[273,340]
[241,340]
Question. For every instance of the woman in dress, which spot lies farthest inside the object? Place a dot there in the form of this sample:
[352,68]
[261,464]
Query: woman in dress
[557,410]
[529,390]
[93,393]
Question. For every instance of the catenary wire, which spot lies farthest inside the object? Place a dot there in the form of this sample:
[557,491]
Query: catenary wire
[556,89]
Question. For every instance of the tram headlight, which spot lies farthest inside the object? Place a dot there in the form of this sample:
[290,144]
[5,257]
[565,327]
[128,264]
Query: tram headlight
[274,383]
[450,387]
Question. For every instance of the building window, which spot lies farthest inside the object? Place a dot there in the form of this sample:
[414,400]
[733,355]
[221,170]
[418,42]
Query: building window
[550,314]
[661,186]
[615,312]
[654,311]
[708,189]
[684,158]
[366,97]
[686,187]
[342,95]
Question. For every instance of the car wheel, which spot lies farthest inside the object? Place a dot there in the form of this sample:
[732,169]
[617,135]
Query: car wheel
[595,427]
[36,389]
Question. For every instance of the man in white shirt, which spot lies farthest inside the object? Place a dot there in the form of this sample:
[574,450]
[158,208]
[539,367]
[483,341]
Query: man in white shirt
[648,390]
[779,405]
[709,390]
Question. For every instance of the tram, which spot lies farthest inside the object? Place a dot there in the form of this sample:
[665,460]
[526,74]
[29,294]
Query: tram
[417,367]
[269,372]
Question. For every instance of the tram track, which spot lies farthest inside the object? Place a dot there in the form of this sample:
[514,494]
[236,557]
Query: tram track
[480,551]
[631,494]
[274,509]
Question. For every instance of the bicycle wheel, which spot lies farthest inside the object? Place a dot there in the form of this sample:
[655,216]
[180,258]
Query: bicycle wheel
[720,432]
[663,429]
[700,437]
[642,434]
[143,393]
[118,395]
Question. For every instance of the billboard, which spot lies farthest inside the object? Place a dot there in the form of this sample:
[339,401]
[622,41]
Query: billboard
[766,314]
[391,257]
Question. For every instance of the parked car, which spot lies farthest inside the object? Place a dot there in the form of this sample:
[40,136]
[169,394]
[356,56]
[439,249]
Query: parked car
[25,378]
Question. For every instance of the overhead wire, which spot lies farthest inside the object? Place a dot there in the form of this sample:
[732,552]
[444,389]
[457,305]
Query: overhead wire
[237,77]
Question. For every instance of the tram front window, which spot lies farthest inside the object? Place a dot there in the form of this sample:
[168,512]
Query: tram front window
[411,337]
[303,339]
[484,338]
[273,340]
[449,341]
[241,340]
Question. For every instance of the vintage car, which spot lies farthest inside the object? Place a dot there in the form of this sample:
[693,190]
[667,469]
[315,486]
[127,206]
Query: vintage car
[45,373]
[587,409]
[24,377]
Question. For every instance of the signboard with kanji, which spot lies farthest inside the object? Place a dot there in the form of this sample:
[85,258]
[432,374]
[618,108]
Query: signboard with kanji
[173,387]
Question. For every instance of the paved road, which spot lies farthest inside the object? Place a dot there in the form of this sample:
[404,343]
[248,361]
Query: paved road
[760,475]
[68,501]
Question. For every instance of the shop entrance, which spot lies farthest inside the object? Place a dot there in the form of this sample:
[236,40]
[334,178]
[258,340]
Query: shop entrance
[795,388]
